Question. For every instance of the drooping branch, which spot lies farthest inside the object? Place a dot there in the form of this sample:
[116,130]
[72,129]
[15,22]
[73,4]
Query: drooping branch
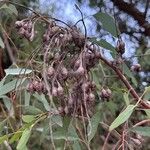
[135,13]
[126,82]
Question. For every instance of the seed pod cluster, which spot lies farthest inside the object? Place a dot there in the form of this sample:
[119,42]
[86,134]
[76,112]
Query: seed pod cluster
[36,86]
[67,63]
[26,29]
[106,94]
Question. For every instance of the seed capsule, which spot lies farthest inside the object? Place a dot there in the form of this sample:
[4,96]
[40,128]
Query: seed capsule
[136,68]
[50,71]
[54,91]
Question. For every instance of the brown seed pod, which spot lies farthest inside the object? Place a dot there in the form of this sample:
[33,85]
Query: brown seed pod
[120,48]
[64,71]
[54,91]
[80,71]
[60,90]
[91,97]
[30,87]
[136,68]
[66,110]
[106,93]
[19,24]
[50,71]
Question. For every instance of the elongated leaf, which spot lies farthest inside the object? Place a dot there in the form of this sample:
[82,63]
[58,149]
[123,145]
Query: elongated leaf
[31,110]
[17,71]
[108,23]
[28,118]
[147,111]
[57,119]
[76,145]
[123,116]
[129,74]
[92,127]
[2,124]
[126,98]
[1,43]
[144,131]
[43,100]
[27,96]
[3,138]
[106,45]
[10,8]
[10,86]
[24,139]
[70,134]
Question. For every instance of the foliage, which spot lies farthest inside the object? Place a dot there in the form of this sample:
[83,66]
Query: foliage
[62,93]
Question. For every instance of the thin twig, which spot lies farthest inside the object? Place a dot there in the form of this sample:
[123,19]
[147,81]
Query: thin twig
[142,122]
[106,140]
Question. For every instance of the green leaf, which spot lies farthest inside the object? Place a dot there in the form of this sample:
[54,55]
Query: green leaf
[76,146]
[69,134]
[123,116]
[3,138]
[43,100]
[31,110]
[147,111]
[126,98]
[17,71]
[1,43]
[28,118]
[10,8]
[27,96]
[2,124]
[127,71]
[106,45]
[24,139]
[144,131]
[93,125]
[7,102]
[18,134]
[57,119]
[10,86]
[108,23]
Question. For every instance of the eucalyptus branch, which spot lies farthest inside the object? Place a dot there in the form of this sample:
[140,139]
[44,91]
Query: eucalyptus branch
[125,81]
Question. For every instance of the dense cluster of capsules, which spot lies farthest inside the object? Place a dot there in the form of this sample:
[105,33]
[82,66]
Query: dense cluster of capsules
[68,59]
[26,29]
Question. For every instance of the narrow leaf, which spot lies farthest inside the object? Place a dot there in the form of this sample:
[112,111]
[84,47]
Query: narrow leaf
[144,131]
[10,86]
[1,43]
[28,118]
[123,116]
[127,71]
[93,125]
[10,8]
[17,71]
[126,98]
[108,23]
[24,139]
[3,138]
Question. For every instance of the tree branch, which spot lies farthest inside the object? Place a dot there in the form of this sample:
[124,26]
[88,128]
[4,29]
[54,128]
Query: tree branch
[126,82]
[135,13]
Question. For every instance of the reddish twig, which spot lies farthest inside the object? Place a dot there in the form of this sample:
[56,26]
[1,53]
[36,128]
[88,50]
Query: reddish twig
[105,142]
[126,82]
[142,122]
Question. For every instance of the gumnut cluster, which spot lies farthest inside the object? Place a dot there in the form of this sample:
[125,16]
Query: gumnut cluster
[106,94]
[67,61]
[36,85]
[26,29]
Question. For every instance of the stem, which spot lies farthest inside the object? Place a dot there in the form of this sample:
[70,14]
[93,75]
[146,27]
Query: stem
[126,82]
